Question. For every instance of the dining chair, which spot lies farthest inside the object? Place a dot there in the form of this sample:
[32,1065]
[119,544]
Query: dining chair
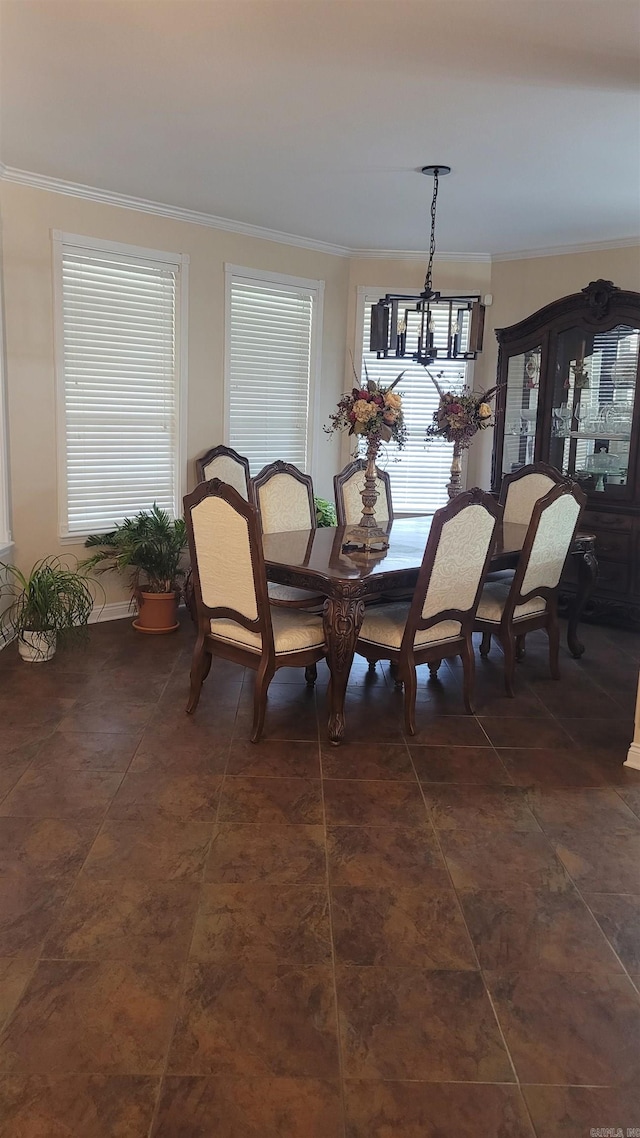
[348,486]
[521,490]
[438,621]
[225,463]
[283,497]
[518,495]
[235,618]
[509,610]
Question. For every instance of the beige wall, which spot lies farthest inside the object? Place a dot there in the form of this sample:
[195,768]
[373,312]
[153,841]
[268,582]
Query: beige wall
[29,215]
[520,288]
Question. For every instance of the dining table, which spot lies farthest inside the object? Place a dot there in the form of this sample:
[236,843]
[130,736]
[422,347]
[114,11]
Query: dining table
[317,560]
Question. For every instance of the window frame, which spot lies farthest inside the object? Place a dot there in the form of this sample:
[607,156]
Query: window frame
[367,293]
[280,280]
[180,261]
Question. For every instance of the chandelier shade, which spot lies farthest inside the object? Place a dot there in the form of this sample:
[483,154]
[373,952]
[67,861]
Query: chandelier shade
[444,327]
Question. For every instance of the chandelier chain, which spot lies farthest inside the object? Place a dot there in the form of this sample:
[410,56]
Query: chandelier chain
[432,242]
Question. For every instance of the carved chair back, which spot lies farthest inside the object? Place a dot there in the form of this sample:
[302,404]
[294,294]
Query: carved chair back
[521,490]
[283,496]
[226,464]
[348,486]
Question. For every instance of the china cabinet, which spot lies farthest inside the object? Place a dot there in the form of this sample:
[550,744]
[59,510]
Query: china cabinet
[568,382]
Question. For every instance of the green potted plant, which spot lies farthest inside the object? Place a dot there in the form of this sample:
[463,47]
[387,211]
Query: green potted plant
[51,603]
[325,513]
[150,547]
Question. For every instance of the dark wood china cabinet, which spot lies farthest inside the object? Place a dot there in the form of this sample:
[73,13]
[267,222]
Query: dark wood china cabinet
[568,395]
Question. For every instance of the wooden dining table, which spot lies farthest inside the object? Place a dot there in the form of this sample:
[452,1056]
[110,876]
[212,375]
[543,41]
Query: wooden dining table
[316,560]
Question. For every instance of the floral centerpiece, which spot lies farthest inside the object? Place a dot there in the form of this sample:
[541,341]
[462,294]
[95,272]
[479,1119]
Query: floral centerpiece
[375,412]
[457,419]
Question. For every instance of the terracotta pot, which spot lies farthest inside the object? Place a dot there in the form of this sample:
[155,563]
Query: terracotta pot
[157,613]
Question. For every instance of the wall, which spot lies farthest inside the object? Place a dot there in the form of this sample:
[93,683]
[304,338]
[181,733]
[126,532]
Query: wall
[521,287]
[29,215]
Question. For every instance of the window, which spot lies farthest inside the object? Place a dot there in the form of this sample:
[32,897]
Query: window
[273,338]
[121,375]
[418,480]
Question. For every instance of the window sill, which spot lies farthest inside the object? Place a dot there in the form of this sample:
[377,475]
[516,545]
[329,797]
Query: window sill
[4,549]
[73,538]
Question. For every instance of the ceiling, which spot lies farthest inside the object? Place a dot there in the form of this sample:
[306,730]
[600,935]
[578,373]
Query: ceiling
[311,117]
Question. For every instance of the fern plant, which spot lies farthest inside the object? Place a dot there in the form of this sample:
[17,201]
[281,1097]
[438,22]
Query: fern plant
[149,546]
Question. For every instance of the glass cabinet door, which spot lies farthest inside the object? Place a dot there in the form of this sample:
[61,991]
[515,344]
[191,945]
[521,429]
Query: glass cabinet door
[594,386]
[521,410]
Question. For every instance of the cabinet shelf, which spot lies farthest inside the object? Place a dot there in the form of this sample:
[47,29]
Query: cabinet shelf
[601,435]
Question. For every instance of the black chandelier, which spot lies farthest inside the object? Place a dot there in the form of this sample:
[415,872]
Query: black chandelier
[456,337]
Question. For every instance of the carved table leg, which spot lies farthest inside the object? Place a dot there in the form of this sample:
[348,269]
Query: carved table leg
[587,578]
[342,618]
[434,668]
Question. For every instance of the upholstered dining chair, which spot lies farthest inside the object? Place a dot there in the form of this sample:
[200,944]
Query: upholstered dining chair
[235,619]
[283,497]
[438,621]
[348,486]
[509,610]
[518,495]
[521,490]
[224,463]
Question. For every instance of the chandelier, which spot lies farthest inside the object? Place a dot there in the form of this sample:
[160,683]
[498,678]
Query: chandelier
[453,332]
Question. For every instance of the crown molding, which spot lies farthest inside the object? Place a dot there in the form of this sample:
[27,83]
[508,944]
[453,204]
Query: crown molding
[195,217]
[176,213]
[564,250]
[418,255]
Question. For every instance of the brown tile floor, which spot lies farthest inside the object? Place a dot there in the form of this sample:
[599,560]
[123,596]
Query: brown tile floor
[201,938]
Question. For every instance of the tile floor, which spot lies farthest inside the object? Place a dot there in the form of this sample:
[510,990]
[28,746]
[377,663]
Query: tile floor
[201,938]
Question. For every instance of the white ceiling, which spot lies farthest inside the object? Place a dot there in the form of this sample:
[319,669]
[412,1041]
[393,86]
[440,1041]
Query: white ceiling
[310,117]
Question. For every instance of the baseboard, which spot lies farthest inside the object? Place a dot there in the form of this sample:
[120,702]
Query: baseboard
[633,757]
[116,610]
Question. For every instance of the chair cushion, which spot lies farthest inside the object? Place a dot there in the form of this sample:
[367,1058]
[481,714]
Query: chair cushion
[293,631]
[384,625]
[493,599]
[290,593]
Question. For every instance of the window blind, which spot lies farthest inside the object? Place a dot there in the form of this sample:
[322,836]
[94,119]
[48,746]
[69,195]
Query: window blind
[419,478]
[120,387]
[270,331]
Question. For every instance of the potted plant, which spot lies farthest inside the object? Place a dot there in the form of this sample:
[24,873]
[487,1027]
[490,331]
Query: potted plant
[50,603]
[325,513]
[149,546]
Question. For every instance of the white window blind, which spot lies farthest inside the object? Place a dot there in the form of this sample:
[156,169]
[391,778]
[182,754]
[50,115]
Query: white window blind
[271,336]
[119,386]
[418,480]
